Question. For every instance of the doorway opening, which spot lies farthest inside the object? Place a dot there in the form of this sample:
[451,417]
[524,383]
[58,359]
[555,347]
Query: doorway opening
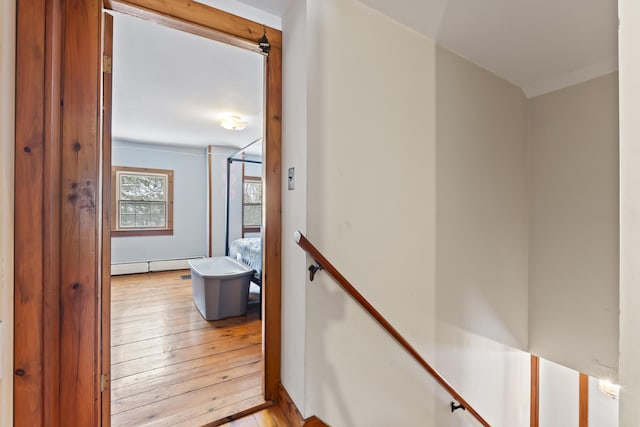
[171,360]
[63,224]
[185,348]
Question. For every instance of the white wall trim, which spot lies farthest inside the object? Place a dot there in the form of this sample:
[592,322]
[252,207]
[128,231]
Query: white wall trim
[150,266]
[173,264]
[629,92]
[7,137]
[129,268]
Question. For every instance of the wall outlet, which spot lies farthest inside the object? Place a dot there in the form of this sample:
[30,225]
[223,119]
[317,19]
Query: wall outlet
[292,179]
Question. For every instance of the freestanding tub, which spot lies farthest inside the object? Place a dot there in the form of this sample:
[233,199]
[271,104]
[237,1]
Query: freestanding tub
[220,287]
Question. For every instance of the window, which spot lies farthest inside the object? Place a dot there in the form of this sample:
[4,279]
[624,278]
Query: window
[251,204]
[142,201]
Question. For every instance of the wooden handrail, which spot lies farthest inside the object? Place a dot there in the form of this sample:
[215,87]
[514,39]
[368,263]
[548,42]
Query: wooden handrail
[302,241]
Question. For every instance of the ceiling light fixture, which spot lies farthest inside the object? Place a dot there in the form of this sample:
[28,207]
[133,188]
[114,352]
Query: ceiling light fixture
[233,123]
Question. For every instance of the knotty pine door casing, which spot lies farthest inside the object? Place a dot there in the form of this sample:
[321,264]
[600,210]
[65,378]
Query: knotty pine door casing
[29,227]
[37,281]
[58,191]
[80,327]
[107,98]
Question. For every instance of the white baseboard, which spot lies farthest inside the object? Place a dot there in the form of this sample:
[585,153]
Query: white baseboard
[147,266]
[172,264]
[129,268]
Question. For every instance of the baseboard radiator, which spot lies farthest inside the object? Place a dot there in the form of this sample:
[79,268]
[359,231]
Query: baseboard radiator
[150,266]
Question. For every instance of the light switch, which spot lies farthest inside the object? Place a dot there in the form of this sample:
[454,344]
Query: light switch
[292,179]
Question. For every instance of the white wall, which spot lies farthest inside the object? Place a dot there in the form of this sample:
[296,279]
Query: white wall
[219,194]
[559,395]
[407,143]
[218,184]
[294,202]
[189,237]
[493,377]
[402,138]
[371,132]
[246,11]
[629,34]
[573,271]
[7,89]
[253,169]
[481,290]
[603,410]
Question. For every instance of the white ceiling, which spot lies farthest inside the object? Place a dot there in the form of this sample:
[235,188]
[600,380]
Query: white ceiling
[273,7]
[173,87]
[538,45]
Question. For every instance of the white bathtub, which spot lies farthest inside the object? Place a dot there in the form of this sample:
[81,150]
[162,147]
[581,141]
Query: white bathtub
[220,287]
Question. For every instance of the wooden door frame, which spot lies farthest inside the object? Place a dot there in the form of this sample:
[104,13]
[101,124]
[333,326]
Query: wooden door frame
[105,291]
[59,229]
[215,24]
[534,396]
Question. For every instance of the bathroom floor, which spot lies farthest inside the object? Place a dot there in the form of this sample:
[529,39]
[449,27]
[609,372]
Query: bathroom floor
[171,367]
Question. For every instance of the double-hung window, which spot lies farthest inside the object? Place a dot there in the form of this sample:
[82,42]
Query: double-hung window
[142,201]
[251,204]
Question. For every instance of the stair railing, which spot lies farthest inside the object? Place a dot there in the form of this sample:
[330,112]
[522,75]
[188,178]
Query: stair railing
[321,263]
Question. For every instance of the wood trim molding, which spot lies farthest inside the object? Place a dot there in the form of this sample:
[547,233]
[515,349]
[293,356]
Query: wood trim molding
[272,236]
[105,314]
[29,250]
[314,422]
[583,420]
[80,225]
[142,170]
[200,19]
[227,420]
[535,392]
[288,407]
[54,244]
[137,233]
[291,412]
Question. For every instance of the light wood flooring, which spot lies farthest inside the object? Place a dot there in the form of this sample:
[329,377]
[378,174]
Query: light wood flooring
[169,366]
[270,417]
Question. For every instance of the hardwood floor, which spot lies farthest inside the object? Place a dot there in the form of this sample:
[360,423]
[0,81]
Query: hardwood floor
[169,366]
[270,417]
